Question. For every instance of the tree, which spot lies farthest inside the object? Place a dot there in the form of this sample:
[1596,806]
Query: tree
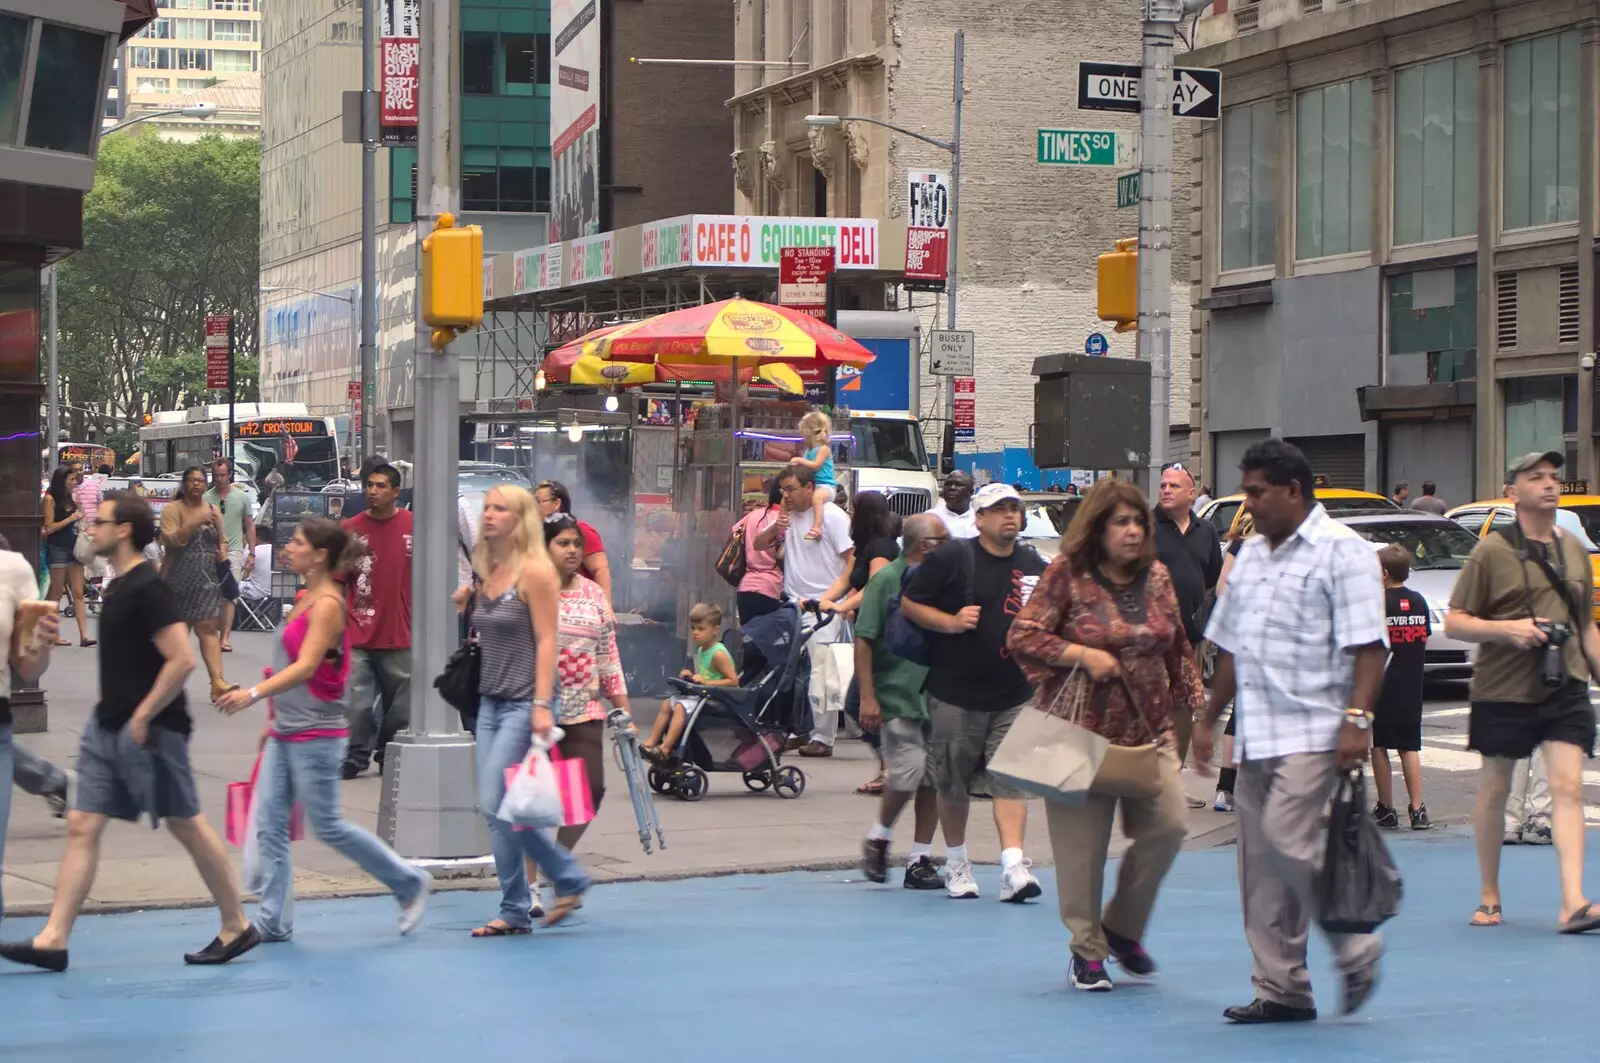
[171,234]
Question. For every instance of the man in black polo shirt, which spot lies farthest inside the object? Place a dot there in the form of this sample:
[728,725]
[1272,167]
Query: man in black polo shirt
[1189,547]
[134,757]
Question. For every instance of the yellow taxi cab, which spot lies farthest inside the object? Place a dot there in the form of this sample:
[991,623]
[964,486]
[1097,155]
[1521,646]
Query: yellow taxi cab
[1579,515]
[1224,512]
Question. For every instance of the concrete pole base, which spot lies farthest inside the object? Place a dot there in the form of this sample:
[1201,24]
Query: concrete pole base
[29,713]
[428,807]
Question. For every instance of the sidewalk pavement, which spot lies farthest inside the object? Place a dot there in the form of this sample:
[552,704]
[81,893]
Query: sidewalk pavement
[713,967]
[730,830]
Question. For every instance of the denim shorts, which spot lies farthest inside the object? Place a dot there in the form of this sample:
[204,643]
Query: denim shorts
[119,779]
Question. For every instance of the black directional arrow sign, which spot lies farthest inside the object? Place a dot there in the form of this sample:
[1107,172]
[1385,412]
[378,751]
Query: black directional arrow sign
[1196,93]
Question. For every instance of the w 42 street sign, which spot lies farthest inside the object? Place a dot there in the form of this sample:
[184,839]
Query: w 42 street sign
[1196,92]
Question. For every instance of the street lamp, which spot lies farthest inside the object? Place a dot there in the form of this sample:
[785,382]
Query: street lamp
[204,109]
[362,435]
[953,146]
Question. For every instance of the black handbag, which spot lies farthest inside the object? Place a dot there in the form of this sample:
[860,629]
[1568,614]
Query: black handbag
[227,585]
[458,683]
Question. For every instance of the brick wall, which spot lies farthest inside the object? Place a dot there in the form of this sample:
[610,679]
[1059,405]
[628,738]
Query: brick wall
[670,131]
[1029,234]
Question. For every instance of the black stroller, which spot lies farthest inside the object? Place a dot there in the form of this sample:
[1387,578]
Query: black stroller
[744,728]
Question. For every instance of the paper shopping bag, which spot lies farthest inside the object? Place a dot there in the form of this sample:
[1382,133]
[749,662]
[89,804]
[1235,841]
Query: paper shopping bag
[1049,757]
[572,775]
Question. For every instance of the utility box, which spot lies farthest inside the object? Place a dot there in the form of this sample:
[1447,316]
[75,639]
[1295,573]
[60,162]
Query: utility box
[1091,412]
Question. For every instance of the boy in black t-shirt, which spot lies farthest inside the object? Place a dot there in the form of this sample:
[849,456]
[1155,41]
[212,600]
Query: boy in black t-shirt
[1397,719]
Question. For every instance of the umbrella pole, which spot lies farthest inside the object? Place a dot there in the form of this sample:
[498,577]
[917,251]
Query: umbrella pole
[735,487]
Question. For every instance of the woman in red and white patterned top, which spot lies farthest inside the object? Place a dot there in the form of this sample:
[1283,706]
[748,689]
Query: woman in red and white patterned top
[588,670]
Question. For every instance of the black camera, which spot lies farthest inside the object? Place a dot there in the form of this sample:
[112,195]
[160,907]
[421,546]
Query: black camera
[1552,662]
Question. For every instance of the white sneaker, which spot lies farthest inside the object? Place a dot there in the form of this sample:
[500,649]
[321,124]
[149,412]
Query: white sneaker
[959,881]
[1017,883]
[1224,802]
[411,912]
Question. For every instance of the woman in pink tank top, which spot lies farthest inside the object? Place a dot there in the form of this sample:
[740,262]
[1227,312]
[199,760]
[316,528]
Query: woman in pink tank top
[306,736]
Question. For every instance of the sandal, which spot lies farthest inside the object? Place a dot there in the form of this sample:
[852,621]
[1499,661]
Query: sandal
[1489,913]
[563,907]
[872,788]
[500,930]
[226,648]
[1581,921]
[89,642]
[63,642]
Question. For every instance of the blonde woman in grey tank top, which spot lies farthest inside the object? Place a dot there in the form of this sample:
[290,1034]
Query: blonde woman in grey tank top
[516,614]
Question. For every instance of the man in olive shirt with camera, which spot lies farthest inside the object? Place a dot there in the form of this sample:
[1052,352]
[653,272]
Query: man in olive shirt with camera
[1525,595]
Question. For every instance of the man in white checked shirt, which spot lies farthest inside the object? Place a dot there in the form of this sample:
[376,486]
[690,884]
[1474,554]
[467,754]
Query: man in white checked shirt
[1302,638]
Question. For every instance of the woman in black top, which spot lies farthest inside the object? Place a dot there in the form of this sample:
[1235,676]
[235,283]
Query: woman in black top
[872,532]
[63,523]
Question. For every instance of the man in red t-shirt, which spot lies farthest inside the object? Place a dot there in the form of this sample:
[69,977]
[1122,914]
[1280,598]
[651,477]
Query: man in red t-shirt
[379,594]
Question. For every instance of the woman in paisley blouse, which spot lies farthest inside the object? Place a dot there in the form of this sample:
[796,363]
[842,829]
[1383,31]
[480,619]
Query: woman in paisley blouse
[1102,631]
[588,672]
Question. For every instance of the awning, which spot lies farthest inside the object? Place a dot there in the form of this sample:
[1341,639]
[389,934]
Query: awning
[139,14]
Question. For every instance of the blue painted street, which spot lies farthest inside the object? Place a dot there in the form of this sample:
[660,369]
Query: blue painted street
[807,966]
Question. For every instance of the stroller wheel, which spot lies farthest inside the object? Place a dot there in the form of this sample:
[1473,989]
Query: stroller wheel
[790,782]
[660,780]
[758,780]
[691,783]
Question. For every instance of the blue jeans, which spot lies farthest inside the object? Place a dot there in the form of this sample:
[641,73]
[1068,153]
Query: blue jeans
[5,803]
[505,733]
[308,772]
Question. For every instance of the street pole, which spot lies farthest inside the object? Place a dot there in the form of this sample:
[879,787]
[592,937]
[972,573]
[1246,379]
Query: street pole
[233,395]
[429,807]
[52,420]
[1161,19]
[369,223]
[959,93]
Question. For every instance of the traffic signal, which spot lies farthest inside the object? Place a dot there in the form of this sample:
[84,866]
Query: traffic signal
[1117,285]
[452,278]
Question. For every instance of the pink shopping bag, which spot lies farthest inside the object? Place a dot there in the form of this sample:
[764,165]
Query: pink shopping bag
[572,775]
[240,796]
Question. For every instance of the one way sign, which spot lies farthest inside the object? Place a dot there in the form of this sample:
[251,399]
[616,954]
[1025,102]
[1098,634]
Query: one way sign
[1196,93]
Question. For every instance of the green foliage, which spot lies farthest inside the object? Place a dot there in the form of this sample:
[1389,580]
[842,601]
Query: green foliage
[171,234]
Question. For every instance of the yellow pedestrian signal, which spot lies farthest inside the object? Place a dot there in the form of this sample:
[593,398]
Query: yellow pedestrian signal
[452,278]
[1117,285]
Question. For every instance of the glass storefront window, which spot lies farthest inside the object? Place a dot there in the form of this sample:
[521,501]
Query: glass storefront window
[19,324]
[13,45]
[66,89]
[1542,414]
[1432,326]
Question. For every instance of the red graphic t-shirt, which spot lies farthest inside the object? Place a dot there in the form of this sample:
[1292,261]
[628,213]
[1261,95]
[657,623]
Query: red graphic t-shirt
[380,587]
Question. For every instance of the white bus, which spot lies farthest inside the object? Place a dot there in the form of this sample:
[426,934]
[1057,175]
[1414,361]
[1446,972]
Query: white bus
[302,447]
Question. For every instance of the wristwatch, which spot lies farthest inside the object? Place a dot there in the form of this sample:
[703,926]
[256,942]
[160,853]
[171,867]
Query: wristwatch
[1359,719]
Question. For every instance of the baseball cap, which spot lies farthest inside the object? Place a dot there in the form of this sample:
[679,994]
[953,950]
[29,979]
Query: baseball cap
[1528,461]
[994,494]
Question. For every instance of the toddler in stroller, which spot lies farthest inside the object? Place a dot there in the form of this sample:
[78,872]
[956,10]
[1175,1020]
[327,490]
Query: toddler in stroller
[742,728]
[713,667]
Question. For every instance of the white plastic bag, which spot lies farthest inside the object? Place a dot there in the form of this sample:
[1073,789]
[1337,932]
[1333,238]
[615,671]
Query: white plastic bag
[250,879]
[533,796]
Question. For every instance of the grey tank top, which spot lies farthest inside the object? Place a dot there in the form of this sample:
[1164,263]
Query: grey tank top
[505,647]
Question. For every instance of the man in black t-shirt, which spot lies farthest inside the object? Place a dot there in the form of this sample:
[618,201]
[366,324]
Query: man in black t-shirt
[1397,717]
[966,593]
[134,757]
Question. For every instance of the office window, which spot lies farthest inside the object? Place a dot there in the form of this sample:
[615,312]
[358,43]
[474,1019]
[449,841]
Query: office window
[191,5]
[233,29]
[1333,170]
[157,85]
[191,59]
[191,29]
[190,84]
[1540,182]
[516,188]
[1436,150]
[477,64]
[1541,415]
[541,189]
[520,61]
[1433,326]
[480,187]
[160,29]
[1249,185]
[232,62]
[13,45]
[65,105]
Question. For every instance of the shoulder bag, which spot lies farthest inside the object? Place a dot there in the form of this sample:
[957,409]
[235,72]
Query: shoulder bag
[732,563]
[458,683]
[1124,771]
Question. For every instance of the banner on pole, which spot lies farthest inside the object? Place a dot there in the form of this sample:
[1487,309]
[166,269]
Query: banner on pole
[400,70]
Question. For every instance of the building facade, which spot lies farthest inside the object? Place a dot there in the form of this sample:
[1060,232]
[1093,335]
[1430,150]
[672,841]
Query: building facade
[1394,236]
[1029,233]
[192,45]
[662,148]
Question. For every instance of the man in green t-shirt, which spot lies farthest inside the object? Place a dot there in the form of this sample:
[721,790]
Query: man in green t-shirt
[237,505]
[892,704]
